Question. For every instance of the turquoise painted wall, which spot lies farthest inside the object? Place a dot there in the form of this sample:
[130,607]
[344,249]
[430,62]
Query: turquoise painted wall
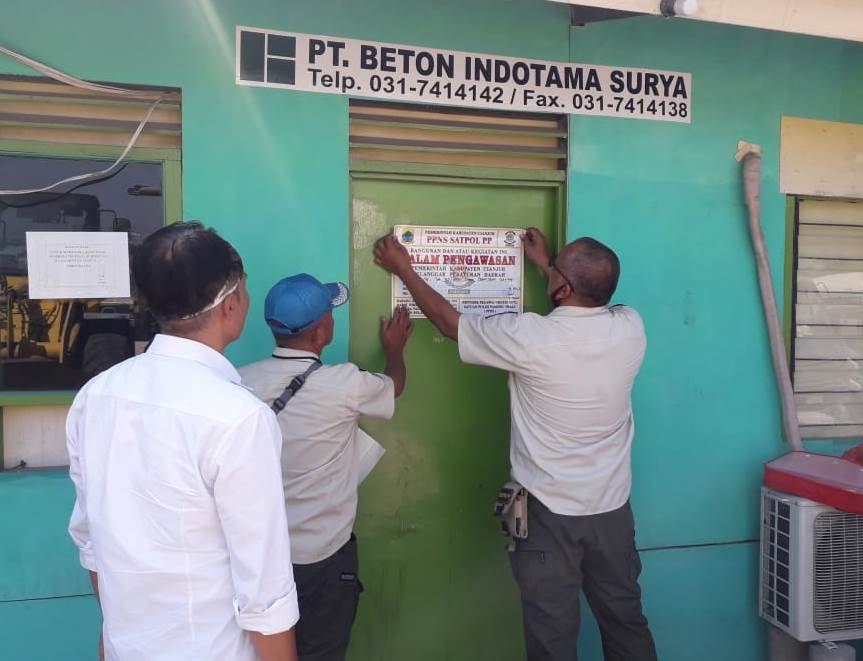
[668,198]
[268,168]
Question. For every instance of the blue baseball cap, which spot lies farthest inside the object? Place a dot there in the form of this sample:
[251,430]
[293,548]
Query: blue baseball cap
[296,303]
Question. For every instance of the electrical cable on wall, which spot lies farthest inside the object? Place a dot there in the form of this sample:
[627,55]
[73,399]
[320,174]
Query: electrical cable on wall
[61,195]
[92,87]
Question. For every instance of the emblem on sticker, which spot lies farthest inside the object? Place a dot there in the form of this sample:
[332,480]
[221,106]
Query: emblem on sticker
[408,236]
[510,238]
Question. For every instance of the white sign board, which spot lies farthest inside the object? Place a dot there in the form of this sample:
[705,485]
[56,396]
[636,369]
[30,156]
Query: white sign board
[316,63]
[78,264]
[478,270]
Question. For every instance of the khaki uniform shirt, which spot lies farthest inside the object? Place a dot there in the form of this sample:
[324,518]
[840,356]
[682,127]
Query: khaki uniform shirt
[320,453]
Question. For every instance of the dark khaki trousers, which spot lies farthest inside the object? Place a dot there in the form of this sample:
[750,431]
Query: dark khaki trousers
[328,593]
[564,555]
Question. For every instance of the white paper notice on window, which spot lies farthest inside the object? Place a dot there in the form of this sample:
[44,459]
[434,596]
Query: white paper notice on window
[479,270]
[78,264]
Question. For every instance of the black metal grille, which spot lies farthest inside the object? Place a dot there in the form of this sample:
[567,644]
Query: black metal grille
[775,559]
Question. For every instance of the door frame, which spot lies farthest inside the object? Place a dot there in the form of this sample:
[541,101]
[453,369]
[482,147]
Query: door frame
[459,174]
[550,187]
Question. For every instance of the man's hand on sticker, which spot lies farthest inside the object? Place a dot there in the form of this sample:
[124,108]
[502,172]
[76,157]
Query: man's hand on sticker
[392,256]
[536,247]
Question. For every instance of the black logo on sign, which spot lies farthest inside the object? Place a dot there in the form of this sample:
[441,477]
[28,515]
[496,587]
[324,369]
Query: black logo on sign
[269,58]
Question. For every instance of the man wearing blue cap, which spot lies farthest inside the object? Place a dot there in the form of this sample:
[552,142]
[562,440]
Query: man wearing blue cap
[318,410]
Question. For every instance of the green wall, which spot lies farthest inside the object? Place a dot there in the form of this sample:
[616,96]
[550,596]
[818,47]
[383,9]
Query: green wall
[668,198]
[268,168]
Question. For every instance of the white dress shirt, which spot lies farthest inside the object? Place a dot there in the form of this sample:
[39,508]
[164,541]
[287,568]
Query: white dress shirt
[571,376]
[179,507]
[320,455]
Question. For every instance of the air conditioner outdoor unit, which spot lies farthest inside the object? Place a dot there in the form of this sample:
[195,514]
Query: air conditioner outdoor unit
[811,568]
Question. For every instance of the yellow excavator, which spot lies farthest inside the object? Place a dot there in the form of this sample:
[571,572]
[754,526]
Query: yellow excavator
[57,344]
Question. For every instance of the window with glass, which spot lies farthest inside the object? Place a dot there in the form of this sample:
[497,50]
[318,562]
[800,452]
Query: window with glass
[50,132]
[59,344]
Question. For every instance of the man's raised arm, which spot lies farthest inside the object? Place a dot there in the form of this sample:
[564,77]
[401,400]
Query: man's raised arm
[393,257]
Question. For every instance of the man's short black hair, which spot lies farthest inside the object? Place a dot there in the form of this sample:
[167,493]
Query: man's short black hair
[180,269]
[593,269]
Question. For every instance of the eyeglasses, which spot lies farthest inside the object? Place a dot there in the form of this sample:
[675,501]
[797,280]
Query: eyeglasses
[552,265]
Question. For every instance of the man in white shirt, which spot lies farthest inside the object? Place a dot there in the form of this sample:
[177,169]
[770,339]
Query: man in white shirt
[571,375]
[324,450]
[179,514]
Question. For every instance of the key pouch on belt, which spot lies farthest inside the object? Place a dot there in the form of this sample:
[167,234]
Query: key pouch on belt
[511,508]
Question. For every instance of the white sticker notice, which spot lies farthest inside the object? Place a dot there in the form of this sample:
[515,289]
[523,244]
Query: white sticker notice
[78,265]
[478,270]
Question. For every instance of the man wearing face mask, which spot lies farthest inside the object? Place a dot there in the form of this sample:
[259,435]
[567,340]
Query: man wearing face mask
[570,378]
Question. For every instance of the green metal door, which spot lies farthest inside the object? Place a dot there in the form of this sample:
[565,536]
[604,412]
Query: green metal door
[436,575]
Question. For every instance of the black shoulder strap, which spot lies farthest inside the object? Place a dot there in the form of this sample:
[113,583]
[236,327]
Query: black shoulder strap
[293,388]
